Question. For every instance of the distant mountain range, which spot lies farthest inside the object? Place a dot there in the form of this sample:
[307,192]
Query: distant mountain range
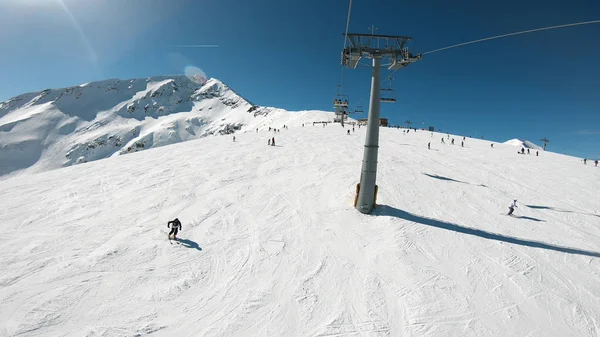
[61,127]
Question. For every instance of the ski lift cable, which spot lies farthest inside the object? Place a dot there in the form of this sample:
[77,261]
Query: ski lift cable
[345,40]
[501,36]
[515,33]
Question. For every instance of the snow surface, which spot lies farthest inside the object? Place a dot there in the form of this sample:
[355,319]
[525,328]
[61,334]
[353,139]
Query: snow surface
[523,144]
[271,245]
[62,127]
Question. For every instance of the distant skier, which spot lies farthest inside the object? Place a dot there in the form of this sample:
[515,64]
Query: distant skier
[175,226]
[269,142]
[348,132]
[512,207]
[584,161]
[429,146]
[273,141]
[462,144]
[596,163]
[452,141]
[443,140]
[522,150]
[527,151]
[234,139]
[353,129]
[537,153]
[256,130]
[492,145]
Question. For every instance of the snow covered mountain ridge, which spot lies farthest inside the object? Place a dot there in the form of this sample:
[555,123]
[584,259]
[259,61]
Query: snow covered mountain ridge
[523,143]
[62,127]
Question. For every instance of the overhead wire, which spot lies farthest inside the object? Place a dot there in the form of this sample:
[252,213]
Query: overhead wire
[345,40]
[515,33]
[501,36]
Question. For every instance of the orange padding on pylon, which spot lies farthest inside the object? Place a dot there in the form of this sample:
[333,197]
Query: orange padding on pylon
[375,198]
[356,196]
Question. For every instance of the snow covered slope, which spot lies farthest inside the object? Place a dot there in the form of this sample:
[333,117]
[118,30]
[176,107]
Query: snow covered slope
[62,127]
[271,245]
[523,144]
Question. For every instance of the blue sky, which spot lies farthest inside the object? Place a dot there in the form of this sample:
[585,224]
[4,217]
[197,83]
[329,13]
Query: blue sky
[287,54]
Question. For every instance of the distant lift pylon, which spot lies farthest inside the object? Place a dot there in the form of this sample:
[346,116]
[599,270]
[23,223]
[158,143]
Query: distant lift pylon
[340,103]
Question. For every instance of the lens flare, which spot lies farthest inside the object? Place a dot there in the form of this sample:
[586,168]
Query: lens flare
[195,75]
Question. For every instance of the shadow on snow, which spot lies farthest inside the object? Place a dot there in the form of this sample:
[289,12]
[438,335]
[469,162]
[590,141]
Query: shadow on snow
[529,218]
[559,210]
[189,244]
[435,176]
[394,212]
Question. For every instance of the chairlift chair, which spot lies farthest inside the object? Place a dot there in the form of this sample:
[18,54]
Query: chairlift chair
[388,96]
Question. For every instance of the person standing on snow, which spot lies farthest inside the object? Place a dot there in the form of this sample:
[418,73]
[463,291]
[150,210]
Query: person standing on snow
[429,146]
[175,227]
[273,141]
[512,207]
[584,161]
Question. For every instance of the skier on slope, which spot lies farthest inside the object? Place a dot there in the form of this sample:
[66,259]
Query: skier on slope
[512,207]
[175,227]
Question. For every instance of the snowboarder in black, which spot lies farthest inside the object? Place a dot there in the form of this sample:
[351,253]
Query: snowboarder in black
[273,141]
[348,132]
[596,163]
[512,207]
[584,161]
[175,226]
[429,146]
[527,151]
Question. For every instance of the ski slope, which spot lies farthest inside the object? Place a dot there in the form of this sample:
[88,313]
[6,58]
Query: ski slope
[271,245]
